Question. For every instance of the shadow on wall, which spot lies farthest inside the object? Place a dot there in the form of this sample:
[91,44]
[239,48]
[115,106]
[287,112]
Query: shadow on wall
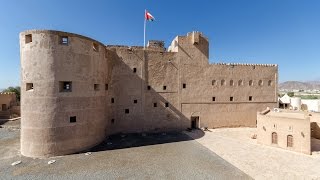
[163,123]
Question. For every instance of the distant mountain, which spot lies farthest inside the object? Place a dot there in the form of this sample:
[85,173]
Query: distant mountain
[308,85]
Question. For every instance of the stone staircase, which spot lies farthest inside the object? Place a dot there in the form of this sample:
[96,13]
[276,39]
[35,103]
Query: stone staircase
[4,114]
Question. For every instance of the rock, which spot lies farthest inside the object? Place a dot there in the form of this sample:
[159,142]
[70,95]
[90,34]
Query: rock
[51,161]
[88,153]
[15,163]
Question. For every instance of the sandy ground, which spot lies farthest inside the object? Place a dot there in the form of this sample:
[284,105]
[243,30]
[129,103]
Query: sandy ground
[152,156]
[258,161]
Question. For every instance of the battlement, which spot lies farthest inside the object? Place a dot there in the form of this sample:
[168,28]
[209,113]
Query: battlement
[245,64]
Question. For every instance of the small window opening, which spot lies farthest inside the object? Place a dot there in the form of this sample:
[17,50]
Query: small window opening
[274,138]
[154,104]
[112,100]
[260,83]
[269,83]
[214,82]
[250,83]
[135,101]
[240,82]
[73,119]
[28,38]
[96,87]
[65,86]
[149,87]
[231,98]
[184,86]
[213,98]
[95,47]
[126,111]
[223,82]
[29,86]
[253,67]
[64,40]
[231,83]
[289,141]
[107,87]
[250,98]
[134,70]
[164,87]
[112,121]
[167,104]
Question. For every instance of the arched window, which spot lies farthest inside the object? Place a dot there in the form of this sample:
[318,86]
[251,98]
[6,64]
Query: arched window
[269,83]
[260,83]
[231,82]
[214,82]
[240,83]
[274,138]
[223,82]
[250,83]
[289,141]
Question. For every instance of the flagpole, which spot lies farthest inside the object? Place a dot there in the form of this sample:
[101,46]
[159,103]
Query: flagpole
[144,30]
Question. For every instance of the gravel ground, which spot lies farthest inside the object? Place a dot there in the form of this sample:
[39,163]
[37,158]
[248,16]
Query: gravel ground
[258,161]
[153,156]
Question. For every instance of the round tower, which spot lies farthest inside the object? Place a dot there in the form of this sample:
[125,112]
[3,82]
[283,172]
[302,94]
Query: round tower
[63,80]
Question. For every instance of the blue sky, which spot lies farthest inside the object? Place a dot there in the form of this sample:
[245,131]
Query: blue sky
[285,32]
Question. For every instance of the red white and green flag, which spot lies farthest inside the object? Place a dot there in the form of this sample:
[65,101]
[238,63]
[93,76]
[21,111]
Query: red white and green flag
[148,16]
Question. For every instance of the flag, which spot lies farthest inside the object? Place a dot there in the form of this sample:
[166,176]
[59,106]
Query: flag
[148,16]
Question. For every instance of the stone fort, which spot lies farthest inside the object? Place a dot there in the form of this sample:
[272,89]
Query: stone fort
[76,90]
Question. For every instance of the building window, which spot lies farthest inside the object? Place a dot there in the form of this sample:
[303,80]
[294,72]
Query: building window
[250,83]
[289,141]
[29,86]
[274,138]
[134,70]
[149,87]
[95,47]
[269,83]
[28,38]
[126,111]
[73,119]
[184,86]
[231,98]
[240,83]
[96,87]
[112,100]
[65,86]
[112,121]
[135,101]
[64,40]
[223,82]
[260,83]
[106,87]
[231,83]
[214,82]
[250,98]
[154,104]
[167,104]
[213,98]
[164,87]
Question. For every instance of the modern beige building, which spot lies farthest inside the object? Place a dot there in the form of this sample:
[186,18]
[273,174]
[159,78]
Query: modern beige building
[76,90]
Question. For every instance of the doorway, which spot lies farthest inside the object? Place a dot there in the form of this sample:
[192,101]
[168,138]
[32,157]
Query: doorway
[4,107]
[195,122]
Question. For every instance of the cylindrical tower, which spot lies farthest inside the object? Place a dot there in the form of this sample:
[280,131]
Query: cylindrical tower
[296,103]
[63,79]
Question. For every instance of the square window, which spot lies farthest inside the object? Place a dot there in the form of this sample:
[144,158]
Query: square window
[184,86]
[65,86]
[64,40]
[126,111]
[167,104]
[29,86]
[149,87]
[134,70]
[96,87]
[250,98]
[164,87]
[73,119]
[107,87]
[28,38]
[112,100]
[213,98]
[154,104]
[135,101]
[231,98]
[95,47]
[112,121]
